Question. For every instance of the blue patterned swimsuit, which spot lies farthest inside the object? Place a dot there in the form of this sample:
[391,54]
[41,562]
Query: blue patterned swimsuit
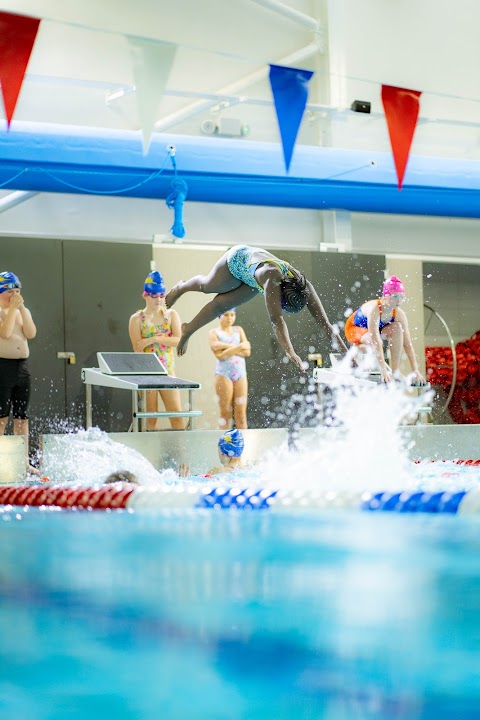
[233,367]
[239,262]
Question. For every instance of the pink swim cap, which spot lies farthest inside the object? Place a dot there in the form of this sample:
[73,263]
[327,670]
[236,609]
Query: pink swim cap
[393,285]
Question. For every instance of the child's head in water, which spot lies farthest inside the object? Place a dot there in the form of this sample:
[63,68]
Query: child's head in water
[230,448]
[124,476]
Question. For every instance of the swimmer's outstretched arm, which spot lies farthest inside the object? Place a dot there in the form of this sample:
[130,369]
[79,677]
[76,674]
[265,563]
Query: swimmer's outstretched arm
[409,349]
[317,311]
[375,340]
[273,302]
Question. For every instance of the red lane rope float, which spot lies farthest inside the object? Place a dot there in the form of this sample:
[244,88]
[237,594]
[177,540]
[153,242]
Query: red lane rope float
[108,498]
[455,462]
[464,406]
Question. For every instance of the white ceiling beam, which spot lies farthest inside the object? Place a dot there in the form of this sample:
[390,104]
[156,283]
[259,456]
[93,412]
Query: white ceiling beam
[233,88]
[288,12]
[16,198]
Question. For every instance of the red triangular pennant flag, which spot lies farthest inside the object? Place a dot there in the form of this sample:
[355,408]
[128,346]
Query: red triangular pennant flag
[401,111]
[17,35]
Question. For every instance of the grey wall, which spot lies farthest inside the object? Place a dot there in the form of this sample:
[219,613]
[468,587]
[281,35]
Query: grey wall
[81,295]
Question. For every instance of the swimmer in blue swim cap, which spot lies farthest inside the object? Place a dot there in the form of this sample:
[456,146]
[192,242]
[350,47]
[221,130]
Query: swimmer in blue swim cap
[240,275]
[154,329]
[230,449]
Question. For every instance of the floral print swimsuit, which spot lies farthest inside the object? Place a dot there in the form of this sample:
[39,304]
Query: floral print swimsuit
[162,351]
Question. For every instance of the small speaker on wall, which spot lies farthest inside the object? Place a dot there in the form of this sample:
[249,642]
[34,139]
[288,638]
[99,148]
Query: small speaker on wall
[362,106]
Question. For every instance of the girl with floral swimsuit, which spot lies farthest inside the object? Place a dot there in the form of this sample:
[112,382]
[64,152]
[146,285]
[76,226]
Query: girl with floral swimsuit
[157,330]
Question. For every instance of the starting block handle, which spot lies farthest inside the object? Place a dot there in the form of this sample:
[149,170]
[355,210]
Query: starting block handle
[192,413]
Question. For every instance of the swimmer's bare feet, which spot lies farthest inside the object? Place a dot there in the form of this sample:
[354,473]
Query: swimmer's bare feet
[183,342]
[172,296]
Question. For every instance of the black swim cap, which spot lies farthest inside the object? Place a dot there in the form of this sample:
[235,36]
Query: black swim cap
[295,293]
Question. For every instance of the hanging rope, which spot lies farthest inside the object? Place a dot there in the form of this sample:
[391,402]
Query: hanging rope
[176,199]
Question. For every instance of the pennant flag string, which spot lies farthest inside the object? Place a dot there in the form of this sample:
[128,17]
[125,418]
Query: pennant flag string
[259,59]
[401,112]
[234,56]
[377,82]
[17,37]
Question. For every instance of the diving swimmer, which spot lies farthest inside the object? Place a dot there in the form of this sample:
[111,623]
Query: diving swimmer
[240,274]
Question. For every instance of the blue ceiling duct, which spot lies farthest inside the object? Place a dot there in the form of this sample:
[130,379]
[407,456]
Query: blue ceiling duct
[79,160]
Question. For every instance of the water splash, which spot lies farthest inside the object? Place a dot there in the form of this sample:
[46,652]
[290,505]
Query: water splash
[88,457]
[365,450]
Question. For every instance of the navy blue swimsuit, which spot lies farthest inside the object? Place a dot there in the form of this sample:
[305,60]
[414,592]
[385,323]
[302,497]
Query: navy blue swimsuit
[359,319]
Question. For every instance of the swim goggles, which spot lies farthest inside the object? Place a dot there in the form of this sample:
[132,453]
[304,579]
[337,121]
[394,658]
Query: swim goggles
[10,286]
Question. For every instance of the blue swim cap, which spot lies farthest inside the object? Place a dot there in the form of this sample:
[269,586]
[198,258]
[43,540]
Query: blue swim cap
[225,311]
[154,283]
[231,443]
[9,281]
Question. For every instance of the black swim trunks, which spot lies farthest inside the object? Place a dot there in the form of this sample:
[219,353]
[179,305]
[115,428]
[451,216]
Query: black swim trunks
[14,388]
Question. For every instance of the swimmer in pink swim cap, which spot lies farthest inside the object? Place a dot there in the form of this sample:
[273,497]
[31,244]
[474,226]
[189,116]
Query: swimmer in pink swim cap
[382,320]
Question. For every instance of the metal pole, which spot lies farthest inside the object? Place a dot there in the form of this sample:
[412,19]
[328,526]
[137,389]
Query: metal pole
[143,406]
[88,405]
[454,356]
[191,424]
[134,410]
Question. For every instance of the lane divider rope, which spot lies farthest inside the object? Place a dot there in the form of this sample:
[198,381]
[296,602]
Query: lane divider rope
[223,498]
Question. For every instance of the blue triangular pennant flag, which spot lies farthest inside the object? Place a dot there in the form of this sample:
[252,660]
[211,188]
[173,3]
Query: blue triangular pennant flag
[290,93]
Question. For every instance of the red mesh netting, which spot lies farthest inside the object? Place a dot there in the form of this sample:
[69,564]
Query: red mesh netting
[464,406]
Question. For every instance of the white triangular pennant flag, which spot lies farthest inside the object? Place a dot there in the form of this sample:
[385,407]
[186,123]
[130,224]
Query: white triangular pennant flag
[152,62]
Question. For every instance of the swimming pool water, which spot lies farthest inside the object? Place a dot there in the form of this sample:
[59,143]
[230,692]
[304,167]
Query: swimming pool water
[205,615]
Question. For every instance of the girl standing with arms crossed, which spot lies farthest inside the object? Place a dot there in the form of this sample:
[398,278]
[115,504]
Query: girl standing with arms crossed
[157,330]
[230,346]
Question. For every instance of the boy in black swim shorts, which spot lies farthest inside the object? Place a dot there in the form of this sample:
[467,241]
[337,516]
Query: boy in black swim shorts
[16,329]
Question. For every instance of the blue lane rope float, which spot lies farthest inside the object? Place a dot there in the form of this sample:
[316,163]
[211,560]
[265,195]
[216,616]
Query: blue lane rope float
[223,498]
[414,502]
[177,198]
[235,498]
